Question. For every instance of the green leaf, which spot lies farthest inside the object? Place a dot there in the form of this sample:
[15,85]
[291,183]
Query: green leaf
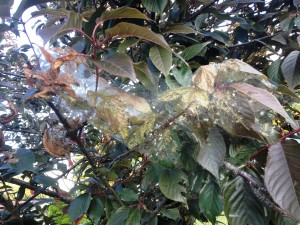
[213,152]
[4,28]
[169,184]
[193,50]
[274,72]
[183,75]
[179,29]
[5,6]
[287,24]
[122,12]
[45,180]
[118,65]
[264,97]
[210,201]
[128,195]
[145,76]
[161,58]
[172,214]
[79,206]
[25,159]
[129,29]
[172,82]
[241,207]
[199,21]
[134,217]
[218,35]
[119,216]
[157,6]
[291,69]
[95,210]
[74,21]
[127,44]
[279,219]
[282,177]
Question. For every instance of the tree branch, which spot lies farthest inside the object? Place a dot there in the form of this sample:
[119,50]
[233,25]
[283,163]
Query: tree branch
[52,194]
[257,188]
[72,133]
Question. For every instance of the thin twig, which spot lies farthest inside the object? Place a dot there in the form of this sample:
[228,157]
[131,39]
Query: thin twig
[154,213]
[201,10]
[52,194]
[36,193]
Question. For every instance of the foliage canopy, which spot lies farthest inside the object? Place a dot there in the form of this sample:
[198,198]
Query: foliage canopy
[169,112]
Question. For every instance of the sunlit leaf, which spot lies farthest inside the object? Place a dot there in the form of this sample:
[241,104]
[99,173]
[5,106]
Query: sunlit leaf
[161,58]
[193,50]
[282,178]
[213,152]
[170,184]
[118,65]
[157,6]
[291,69]
[241,207]
[24,159]
[180,29]
[183,75]
[79,206]
[45,180]
[145,76]
[122,12]
[129,29]
[265,98]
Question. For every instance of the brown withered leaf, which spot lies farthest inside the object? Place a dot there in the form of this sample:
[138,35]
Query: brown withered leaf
[56,143]
[13,111]
[49,58]
[51,82]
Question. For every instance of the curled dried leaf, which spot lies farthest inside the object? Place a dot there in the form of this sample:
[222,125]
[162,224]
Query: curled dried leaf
[13,111]
[56,143]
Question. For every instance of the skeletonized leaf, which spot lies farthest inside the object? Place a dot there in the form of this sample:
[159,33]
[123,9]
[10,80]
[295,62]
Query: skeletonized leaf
[129,29]
[282,177]
[161,58]
[118,65]
[291,69]
[212,153]
[179,29]
[170,186]
[123,12]
[241,207]
[264,97]
[157,6]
